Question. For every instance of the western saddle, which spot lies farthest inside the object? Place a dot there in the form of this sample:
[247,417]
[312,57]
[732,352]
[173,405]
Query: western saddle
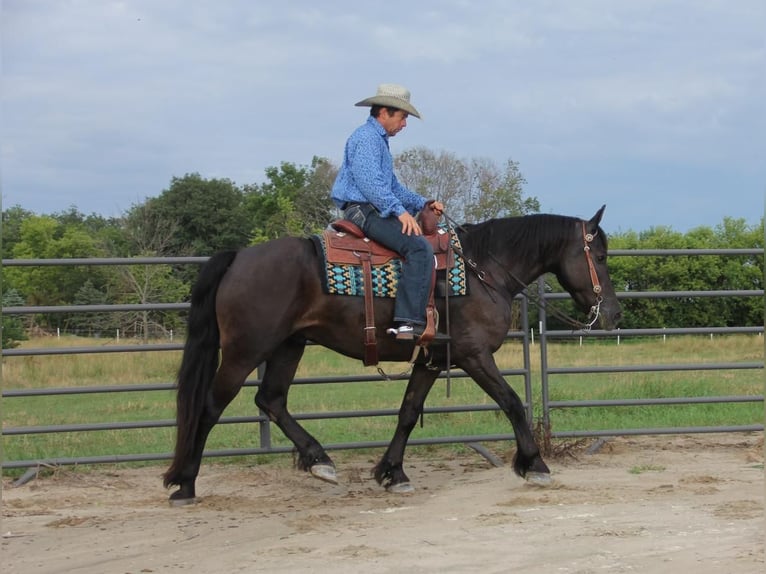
[346,244]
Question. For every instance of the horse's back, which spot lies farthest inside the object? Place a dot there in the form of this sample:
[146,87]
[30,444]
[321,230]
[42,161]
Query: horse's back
[269,282]
[277,247]
[276,263]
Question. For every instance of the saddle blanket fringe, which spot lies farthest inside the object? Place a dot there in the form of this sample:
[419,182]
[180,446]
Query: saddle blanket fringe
[342,279]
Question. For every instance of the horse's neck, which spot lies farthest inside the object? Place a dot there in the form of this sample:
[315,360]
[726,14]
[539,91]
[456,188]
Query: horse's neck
[527,250]
[518,274]
[515,271]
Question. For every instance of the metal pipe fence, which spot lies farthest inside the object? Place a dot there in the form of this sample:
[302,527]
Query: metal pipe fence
[546,370]
[525,336]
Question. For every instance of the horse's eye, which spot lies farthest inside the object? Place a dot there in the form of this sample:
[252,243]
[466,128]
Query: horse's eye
[601,258]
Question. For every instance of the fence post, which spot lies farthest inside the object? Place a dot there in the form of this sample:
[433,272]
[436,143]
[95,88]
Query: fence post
[543,354]
[527,360]
[264,427]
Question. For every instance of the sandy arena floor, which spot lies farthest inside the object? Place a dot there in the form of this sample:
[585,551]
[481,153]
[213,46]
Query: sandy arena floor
[645,505]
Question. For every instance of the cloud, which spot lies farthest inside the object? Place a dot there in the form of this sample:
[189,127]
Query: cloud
[125,95]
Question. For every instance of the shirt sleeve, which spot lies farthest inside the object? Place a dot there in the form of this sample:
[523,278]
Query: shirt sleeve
[412,202]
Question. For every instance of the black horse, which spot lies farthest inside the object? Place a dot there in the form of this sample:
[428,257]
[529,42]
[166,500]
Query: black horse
[261,305]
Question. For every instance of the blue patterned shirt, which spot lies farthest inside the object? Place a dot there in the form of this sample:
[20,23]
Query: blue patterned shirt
[367,174]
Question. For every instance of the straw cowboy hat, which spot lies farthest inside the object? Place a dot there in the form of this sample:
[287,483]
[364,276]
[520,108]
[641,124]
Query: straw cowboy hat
[392,96]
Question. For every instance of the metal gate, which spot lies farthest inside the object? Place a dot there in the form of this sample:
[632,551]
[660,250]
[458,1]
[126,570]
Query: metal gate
[265,446]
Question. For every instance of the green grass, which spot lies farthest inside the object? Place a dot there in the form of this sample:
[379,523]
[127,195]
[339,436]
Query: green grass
[641,469]
[156,367]
[637,385]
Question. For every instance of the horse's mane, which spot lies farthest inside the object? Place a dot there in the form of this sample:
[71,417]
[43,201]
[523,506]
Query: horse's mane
[525,235]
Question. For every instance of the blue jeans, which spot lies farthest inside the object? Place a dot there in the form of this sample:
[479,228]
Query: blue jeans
[417,260]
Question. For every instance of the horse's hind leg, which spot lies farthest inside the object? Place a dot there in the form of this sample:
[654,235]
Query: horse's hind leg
[227,382]
[272,399]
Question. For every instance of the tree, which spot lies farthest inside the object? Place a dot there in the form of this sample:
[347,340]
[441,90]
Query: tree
[471,191]
[64,235]
[735,273]
[12,325]
[150,284]
[443,177]
[92,323]
[147,231]
[207,215]
[497,192]
[107,232]
[295,200]
[42,237]
[690,273]
[149,234]
[12,219]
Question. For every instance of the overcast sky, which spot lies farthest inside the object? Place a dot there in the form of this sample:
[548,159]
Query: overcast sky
[656,108]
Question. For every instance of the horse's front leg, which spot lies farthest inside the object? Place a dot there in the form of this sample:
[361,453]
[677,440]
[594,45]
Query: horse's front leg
[272,399]
[527,463]
[389,471]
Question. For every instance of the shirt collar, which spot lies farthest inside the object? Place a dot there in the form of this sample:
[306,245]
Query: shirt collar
[378,128]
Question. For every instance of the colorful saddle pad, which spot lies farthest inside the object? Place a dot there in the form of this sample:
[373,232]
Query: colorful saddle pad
[348,279]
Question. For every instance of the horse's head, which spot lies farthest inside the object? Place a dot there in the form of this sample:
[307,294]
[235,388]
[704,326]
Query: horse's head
[583,273]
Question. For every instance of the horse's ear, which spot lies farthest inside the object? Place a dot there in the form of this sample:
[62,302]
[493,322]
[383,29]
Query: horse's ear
[596,219]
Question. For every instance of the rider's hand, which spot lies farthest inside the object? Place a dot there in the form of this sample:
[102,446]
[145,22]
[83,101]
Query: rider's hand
[438,207]
[409,225]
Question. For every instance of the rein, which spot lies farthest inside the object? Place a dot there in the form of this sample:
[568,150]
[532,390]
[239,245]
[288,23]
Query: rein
[549,308]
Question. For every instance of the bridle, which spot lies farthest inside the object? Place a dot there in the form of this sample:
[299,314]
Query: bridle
[595,310]
[484,278]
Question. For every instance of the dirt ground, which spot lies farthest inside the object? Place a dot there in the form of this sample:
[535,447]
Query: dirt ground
[644,504]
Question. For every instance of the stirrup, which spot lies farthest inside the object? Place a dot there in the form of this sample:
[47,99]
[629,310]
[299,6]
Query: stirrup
[405,332]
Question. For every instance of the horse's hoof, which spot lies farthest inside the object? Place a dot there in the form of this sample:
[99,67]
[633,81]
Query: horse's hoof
[401,488]
[324,472]
[539,478]
[179,502]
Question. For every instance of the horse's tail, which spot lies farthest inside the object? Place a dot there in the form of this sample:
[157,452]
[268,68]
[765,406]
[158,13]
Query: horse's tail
[199,362]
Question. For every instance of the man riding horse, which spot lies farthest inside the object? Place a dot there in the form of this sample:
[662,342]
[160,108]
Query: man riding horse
[370,195]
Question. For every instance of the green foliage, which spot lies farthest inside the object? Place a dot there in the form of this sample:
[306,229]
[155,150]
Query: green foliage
[443,177]
[206,216]
[295,200]
[690,273]
[43,237]
[12,325]
[91,324]
[498,193]
[144,284]
[11,227]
